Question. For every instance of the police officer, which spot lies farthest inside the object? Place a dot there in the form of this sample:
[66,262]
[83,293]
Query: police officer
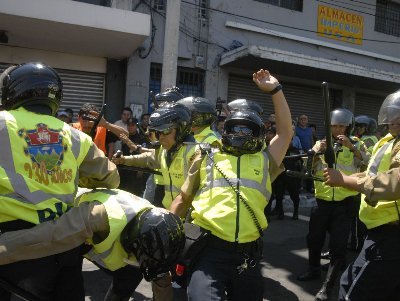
[334,205]
[229,190]
[172,125]
[43,160]
[365,128]
[154,191]
[203,116]
[241,104]
[375,274]
[121,228]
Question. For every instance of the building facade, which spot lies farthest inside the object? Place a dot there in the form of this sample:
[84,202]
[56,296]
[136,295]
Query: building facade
[352,45]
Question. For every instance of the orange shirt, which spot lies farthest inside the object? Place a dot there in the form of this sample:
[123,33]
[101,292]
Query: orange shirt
[99,139]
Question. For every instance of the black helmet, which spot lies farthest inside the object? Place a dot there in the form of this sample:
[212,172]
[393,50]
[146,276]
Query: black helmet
[390,109]
[369,123]
[170,95]
[244,104]
[202,111]
[172,115]
[156,238]
[252,138]
[343,117]
[372,126]
[31,85]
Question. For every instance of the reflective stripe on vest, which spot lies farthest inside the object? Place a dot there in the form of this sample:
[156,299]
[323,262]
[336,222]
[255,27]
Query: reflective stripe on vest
[36,194]
[175,175]
[344,163]
[384,212]
[222,182]
[217,206]
[121,207]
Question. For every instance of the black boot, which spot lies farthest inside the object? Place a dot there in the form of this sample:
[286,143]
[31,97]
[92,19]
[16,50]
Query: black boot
[331,276]
[311,274]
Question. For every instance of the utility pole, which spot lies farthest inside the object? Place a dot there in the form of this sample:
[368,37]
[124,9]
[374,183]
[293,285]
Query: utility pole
[171,39]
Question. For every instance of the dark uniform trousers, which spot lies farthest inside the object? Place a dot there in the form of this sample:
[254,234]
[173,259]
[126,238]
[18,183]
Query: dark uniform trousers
[333,217]
[57,277]
[375,274]
[216,272]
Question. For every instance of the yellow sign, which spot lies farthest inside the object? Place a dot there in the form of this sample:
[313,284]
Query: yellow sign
[340,25]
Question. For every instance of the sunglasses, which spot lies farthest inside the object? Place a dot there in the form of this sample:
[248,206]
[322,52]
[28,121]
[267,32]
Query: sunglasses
[241,130]
[163,132]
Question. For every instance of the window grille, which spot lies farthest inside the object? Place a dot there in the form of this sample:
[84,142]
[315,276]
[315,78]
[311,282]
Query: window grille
[289,4]
[160,5]
[203,5]
[387,17]
[189,81]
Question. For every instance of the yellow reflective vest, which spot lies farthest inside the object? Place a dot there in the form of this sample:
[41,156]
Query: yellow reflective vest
[208,136]
[175,174]
[40,157]
[383,212]
[217,206]
[370,141]
[344,163]
[121,207]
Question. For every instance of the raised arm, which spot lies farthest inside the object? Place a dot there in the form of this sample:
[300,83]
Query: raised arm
[279,144]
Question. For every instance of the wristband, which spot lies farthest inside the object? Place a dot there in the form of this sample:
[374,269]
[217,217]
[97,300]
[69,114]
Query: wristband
[276,89]
[138,147]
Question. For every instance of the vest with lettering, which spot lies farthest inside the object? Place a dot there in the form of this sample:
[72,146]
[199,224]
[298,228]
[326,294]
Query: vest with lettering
[208,136]
[121,207]
[344,163]
[175,174]
[39,162]
[217,206]
[383,212]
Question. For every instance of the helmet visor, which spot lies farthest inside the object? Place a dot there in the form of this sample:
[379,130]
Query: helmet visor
[240,130]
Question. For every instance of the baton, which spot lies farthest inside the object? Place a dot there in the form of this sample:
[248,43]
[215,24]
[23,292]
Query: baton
[329,154]
[97,121]
[134,168]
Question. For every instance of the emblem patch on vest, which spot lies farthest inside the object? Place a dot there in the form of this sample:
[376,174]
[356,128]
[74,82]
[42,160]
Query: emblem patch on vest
[45,147]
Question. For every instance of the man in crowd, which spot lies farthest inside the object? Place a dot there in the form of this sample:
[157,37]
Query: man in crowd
[105,134]
[133,181]
[126,114]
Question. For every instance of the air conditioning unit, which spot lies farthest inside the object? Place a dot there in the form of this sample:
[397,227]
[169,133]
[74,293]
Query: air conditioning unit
[199,62]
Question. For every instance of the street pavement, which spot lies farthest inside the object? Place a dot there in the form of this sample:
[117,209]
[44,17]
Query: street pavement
[285,257]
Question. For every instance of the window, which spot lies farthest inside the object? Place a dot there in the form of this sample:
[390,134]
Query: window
[160,5]
[189,81]
[97,2]
[203,4]
[387,17]
[289,4]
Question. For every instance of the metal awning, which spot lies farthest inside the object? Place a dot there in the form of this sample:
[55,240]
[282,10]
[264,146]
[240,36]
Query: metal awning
[297,65]
[73,27]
